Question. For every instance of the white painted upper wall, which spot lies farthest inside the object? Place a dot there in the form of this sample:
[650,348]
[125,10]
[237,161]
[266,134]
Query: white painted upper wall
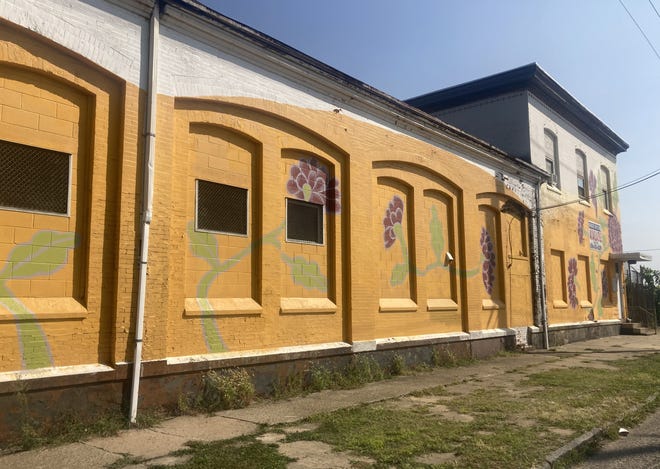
[105,34]
[569,140]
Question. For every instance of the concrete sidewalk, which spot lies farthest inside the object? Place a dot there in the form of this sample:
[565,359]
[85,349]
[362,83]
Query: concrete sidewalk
[152,446]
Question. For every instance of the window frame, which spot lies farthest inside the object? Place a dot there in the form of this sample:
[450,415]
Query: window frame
[606,188]
[227,233]
[554,158]
[321,227]
[69,176]
[581,174]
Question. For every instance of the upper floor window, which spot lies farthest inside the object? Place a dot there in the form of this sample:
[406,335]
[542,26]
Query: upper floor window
[606,188]
[34,179]
[551,156]
[581,170]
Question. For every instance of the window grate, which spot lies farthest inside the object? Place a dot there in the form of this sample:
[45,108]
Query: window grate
[34,179]
[221,208]
[304,221]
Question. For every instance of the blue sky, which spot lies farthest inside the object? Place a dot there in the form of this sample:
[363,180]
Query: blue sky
[406,48]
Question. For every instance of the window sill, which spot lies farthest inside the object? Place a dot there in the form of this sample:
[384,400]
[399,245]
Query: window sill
[586,304]
[559,304]
[586,203]
[489,304]
[608,213]
[441,304]
[307,306]
[397,305]
[198,307]
[42,309]
[554,189]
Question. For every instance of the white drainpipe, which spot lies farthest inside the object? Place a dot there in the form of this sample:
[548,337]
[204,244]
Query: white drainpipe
[147,204]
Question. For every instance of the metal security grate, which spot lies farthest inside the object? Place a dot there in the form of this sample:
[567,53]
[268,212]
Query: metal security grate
[304,221]
[221,208]
[34,179]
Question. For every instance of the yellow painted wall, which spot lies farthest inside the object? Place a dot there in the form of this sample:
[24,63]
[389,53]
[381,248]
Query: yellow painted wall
[566,240]
[58,299]
[376,274]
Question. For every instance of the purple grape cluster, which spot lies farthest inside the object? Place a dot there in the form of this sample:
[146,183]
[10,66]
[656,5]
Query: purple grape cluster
[393,215]
[605,284]
[572,273]
[488,266]
[614,234]
[580,226]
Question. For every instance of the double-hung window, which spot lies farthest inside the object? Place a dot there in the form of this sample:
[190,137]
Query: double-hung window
[581,170]
[606,188]
[551,157]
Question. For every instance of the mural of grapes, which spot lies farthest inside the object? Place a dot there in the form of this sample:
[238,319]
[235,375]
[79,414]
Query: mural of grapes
[490,262]
[392,221]
[580,226]
[614,234]
[572,273]
[605,284]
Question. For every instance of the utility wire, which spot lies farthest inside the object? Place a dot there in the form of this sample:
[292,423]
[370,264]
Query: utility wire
[654,8]
[602,194]
[640,28]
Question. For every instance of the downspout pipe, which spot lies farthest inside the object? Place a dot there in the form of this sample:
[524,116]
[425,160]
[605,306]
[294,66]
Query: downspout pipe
[147,204]
[541,264]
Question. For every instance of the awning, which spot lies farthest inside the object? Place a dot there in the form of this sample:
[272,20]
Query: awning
[631,257]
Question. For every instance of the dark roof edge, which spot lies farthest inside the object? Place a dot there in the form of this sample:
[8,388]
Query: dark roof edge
[529,77]
[264,41]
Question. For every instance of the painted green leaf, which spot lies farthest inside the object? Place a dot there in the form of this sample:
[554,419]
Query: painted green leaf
[399,274]
[39,256]
[203,245]
[35,350]
[64,239]
[306,273]
[437,238]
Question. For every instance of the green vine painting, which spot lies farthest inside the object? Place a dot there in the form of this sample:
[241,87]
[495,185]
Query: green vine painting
[393,231]
[304,272]
[44,254]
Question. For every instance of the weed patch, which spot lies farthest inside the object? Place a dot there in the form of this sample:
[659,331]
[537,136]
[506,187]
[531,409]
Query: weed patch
[227,389]
[239,453]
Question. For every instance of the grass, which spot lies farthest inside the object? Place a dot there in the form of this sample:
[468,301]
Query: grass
[239,453]
[501,424]
[513,430]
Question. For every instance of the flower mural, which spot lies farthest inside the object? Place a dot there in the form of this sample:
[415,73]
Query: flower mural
[572,273]
[580,226]
[393,216]
[605,284]
[310,181]
[614,234]
[490,261]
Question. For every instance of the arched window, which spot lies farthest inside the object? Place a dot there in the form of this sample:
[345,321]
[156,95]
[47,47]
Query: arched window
[551,157]
[581,171]
[606,188]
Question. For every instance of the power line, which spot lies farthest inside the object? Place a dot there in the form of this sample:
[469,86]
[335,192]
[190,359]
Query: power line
[640,29]
[654,8]
[602,194]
